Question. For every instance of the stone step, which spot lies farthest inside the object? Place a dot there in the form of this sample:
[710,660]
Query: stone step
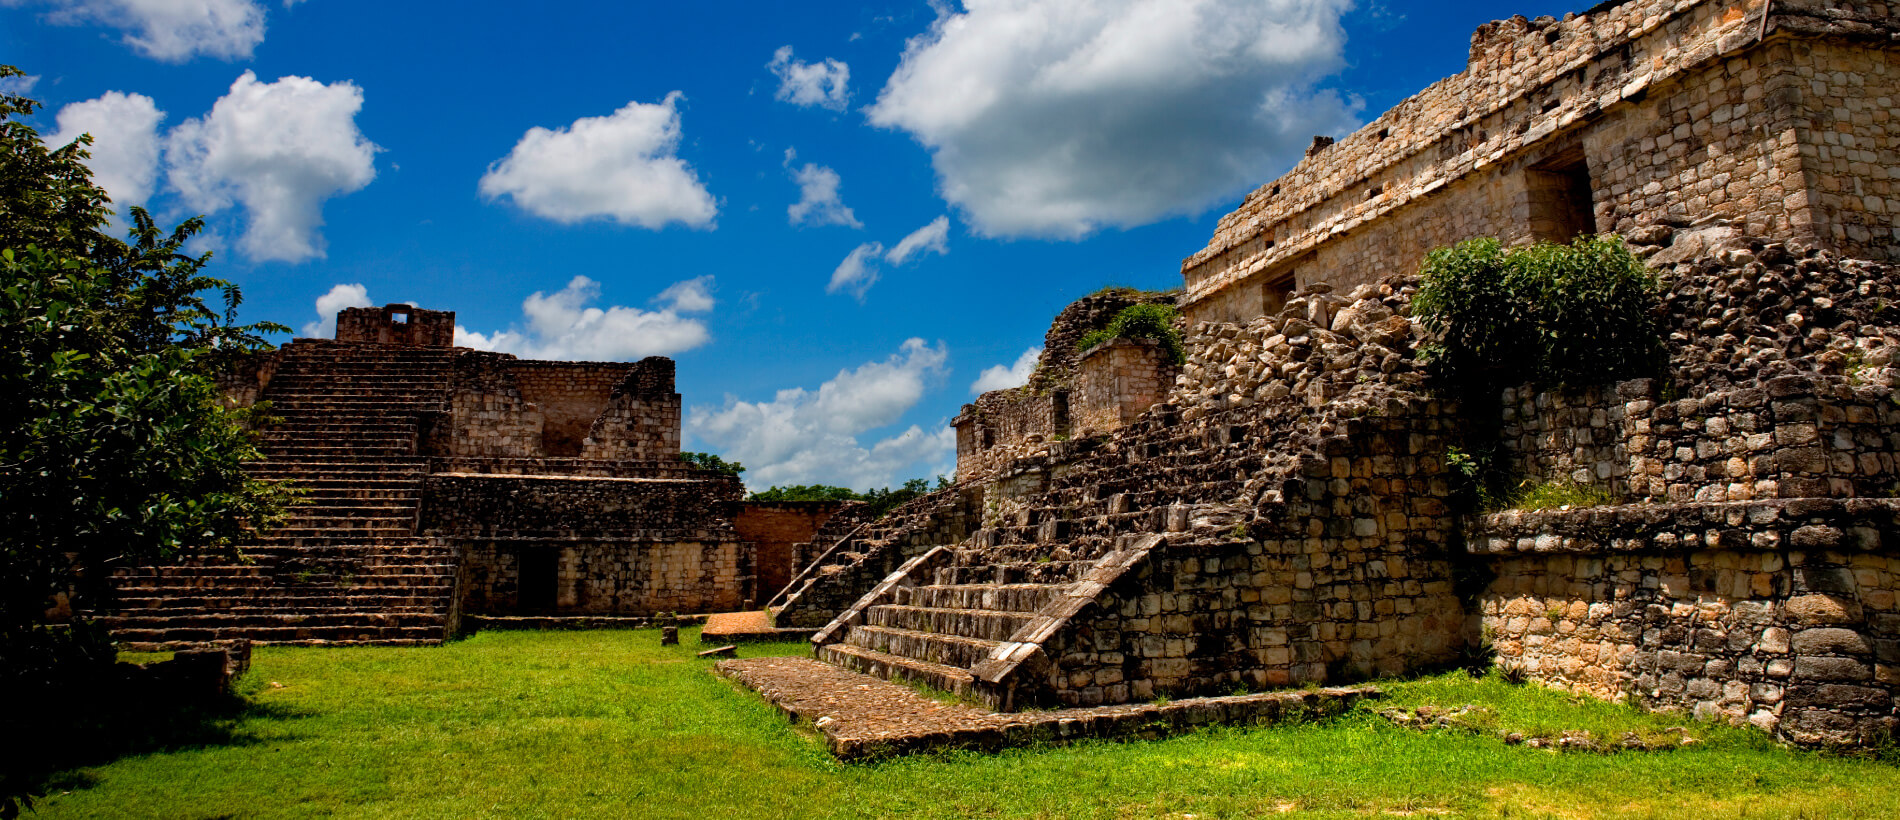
[981,624]
[184,618]
[946,650]
[895,668]
[365,633]
[1024,572]
[285,605]
[1002,597]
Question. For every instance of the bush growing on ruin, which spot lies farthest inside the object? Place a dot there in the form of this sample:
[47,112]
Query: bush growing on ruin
[114,448]
[1548,314]
[1144,321]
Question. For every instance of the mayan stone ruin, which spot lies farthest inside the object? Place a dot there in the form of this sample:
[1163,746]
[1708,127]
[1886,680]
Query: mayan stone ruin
[1277,510]
[444,483]
[1280,512]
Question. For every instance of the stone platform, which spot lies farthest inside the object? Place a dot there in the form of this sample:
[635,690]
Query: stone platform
[865,717]
[748,627]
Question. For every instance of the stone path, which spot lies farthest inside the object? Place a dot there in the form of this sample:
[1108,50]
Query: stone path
[747,627]
[861,716]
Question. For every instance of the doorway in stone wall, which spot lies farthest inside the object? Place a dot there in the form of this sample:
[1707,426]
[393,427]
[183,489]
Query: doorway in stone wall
[1562,204]
[539,580]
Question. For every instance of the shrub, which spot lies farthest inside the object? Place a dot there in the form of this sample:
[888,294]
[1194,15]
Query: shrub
[709,461]
[1550,314]
[1145,321]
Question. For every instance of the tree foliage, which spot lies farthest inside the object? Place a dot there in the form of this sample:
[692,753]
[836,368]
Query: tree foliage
[708,461]
[881,501]
[1549,314]
[114,448]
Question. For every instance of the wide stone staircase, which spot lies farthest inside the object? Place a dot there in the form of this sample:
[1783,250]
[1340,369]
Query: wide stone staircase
[348,566]
[935,633]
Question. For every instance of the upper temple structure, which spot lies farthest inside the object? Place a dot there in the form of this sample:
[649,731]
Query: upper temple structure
[1775,118]
[1282,507]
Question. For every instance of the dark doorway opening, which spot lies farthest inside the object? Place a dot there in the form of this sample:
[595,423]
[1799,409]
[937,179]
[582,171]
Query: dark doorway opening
[540,580]
[1562,206]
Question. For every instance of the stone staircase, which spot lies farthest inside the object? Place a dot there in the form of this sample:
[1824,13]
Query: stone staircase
[348,566]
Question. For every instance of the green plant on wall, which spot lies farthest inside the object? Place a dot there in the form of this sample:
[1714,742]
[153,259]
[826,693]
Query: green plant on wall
[1146,321]
[1548,314]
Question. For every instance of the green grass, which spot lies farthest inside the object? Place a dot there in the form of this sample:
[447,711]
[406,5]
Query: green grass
[561,724]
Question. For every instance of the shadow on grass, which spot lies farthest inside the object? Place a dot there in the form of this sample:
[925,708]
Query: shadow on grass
[56,736]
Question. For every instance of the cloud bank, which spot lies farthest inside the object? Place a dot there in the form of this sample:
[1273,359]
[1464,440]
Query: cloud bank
[170,30]
[124,129]
[1003,377]
[814,436]
[279,150]
[1056,119]
[824,85]
[565,325]
[621,167]
[338,298]
[861,268]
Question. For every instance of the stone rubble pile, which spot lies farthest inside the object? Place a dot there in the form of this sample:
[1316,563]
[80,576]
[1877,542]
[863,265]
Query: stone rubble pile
[1322,349]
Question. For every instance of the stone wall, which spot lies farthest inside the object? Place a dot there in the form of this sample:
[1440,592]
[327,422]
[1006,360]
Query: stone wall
[1646,111]
[399,324]
[541,507]
[1781,614]
[1115,382]
[641,419]
[569,397]
[488,415]
[593,546]
[615,577]
[776,527]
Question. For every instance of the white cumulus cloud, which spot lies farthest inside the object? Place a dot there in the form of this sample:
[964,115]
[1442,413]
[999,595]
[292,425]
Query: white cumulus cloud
[278,149]
[1003,377]
[1057,118]
[170,30]
[620,167]
[565,325]
[824,84]
[816,436]
[124,129]
[862,267]
[931,238]
[818,200]
[339,297]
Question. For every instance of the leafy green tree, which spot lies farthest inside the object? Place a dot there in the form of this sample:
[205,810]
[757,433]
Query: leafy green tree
[807,492]
[115,450]
[708,461]
[880,501]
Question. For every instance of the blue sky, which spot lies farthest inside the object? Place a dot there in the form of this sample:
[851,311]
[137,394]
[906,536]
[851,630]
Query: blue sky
[838,218]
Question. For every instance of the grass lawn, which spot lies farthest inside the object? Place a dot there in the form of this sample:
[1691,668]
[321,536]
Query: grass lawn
[563,724]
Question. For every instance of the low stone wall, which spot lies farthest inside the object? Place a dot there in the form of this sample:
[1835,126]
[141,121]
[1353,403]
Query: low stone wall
[1779,613]
[569,396]
[608,577]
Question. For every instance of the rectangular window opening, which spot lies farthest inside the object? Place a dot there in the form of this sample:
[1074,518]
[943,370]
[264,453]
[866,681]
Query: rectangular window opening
[1562,204]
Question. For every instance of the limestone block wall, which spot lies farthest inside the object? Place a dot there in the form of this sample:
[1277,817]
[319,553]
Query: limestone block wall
[1646,111]
[641,419]
[1781,614]
[775,527]
[575,545]
[505,506]
[488,415]
[242,377]
[1851,150]
[1116,381]
[396,325]
[608,577]
[569,396]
